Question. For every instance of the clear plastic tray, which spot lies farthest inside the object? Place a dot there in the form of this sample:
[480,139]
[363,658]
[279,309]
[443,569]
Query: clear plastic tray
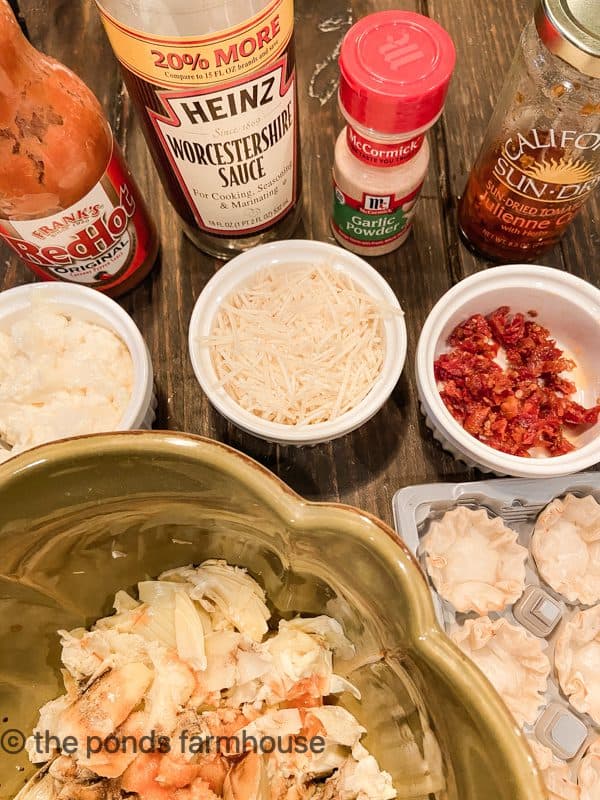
[518,502]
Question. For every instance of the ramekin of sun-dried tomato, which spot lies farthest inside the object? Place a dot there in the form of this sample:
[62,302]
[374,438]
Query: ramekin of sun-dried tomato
[508,371]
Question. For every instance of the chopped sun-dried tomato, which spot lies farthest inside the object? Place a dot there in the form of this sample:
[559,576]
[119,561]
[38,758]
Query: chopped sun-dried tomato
[523,406]
[474,336]
[506,330]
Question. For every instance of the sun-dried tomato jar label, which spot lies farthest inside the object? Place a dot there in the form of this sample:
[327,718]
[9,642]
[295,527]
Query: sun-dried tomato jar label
[220,116]
[373,219]
[526,189]
[378,154]
[101,241]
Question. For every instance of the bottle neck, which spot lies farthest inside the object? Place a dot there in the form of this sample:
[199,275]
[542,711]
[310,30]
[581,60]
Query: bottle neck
[13,46]
[182,18]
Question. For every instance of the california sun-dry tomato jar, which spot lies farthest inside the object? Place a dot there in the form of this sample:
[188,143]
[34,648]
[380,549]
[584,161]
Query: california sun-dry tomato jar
[215,87]
[540,159]
[68,204]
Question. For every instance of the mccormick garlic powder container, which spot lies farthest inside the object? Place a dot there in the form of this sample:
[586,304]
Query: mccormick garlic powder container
[395,69]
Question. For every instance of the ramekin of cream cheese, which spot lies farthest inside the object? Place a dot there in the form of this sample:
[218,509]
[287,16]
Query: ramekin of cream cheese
[72,362]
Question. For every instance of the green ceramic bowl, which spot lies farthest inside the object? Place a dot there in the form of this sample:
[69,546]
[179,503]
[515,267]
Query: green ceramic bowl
[82,518]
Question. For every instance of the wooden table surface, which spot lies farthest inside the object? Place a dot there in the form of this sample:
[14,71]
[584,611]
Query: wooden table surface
[394,449]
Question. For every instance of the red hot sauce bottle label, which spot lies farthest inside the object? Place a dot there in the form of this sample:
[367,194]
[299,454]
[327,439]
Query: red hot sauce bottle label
[100,241]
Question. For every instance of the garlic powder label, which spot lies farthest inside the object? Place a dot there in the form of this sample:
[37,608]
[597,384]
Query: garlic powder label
[233,149]
[373,219]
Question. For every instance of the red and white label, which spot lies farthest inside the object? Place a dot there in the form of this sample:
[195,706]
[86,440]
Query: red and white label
[382,155]
[100,241]
[234,150]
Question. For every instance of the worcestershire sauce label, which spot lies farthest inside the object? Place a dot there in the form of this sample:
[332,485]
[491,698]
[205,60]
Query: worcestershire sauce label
[99,242]
[220,114]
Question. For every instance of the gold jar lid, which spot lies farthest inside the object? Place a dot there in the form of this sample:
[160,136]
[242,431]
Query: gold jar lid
[571,30]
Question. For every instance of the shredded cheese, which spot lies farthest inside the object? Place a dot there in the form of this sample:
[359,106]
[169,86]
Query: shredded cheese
[298,344]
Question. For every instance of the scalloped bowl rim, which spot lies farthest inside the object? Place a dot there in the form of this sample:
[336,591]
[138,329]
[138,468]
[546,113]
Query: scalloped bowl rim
[425,634]
[512,275]
[237,272]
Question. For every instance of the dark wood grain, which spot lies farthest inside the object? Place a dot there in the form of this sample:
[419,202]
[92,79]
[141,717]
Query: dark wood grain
[486,36]
[394,449]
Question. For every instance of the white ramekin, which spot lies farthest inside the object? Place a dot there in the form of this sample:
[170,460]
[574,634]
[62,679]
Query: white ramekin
[289,252]
[568,306]
[92,306]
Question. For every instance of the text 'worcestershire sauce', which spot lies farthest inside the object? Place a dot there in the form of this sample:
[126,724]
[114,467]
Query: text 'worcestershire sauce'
[219,112]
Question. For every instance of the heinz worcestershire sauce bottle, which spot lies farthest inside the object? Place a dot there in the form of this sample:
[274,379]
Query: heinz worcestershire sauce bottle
[215,87]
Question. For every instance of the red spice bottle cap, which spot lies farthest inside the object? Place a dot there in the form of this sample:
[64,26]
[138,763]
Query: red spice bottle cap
[395,69]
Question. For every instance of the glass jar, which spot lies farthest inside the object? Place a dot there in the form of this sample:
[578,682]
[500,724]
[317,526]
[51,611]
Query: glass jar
[214,84]
[540,159]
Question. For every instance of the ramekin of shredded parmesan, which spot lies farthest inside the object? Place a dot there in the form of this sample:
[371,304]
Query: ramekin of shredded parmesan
[297,342]
[72,362]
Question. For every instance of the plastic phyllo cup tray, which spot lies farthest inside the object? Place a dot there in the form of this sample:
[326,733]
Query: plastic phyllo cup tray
[514,570]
